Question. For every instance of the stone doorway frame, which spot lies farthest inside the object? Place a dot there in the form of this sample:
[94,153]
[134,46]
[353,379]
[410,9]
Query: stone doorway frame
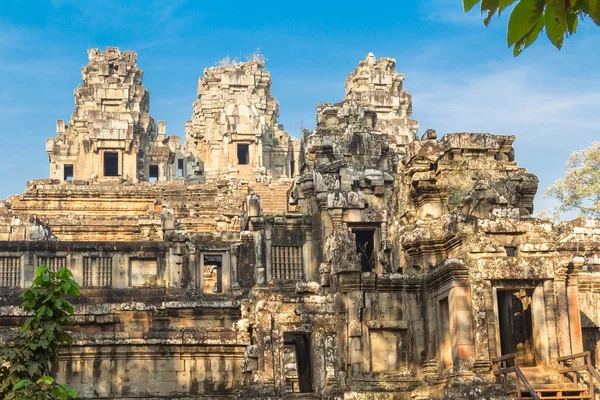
[539,321]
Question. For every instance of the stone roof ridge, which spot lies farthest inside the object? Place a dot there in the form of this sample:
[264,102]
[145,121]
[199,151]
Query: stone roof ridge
[371,60]
[476,140]
[233,65]
[112,54]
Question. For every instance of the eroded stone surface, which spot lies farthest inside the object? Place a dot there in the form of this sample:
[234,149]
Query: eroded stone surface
[356,263]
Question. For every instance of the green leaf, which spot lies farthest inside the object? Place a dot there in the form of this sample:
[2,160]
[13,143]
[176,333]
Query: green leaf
[529,38]
[572,20]
[503,5]
[469,4]
[22,383]
[40,270]
[490,7]
[591,8]
[73,291]
[533,34]
[33,369]
[554,30]
[560,10]
[523,18]
[41,311]
[46,380]
[519,47]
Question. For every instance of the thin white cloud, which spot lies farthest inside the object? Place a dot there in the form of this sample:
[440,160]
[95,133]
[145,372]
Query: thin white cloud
[512,101]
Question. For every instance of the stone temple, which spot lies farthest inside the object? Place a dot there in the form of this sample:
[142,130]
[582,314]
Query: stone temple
[358,262]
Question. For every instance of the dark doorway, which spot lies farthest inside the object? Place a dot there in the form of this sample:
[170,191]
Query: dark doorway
[111,163]
[445,340]
[180,167]
[365,247]
[153,173]
[299,346]
[213,274]
[591,338]
[242,153]
[68,172]
[515,324]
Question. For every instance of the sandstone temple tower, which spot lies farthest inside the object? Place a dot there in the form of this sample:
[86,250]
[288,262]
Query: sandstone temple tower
[359,261]
[234,127]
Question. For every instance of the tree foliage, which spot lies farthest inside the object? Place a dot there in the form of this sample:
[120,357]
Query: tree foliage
[25,363]
[559,18]
[580,188]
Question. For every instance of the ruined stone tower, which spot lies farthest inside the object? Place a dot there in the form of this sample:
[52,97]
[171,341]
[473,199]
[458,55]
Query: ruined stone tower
[375,82]
[234,127]
[359,262]
[110,124]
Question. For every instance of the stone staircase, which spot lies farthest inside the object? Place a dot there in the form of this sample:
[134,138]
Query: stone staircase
[547,386]
[552,391]
[273,197]
[574,380]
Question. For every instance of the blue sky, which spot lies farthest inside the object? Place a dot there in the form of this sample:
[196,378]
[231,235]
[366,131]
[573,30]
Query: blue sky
[461,75]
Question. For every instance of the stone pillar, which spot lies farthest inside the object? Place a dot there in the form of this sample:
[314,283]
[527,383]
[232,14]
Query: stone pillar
[234,267]
[267,235]
[417,327]
[461,324]
[226,273]
[259,246]
[75,264]
[540,325]
[162,130]
[174,266]
[120,271]
[551,321]
[574,318]
[560,288]
[479,305]
[28,269]
[341,327]
[310,265]
[431,343]
[193,271]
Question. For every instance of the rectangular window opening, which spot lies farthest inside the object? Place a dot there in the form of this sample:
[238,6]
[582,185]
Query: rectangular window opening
[286,262]
[10,271]
[111,163]
[97,271]
[68,172]
[180,167]
[242,153]
[298,376]
[153,173]
[212,274]
[511,251]
[365,247]
[53,263]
